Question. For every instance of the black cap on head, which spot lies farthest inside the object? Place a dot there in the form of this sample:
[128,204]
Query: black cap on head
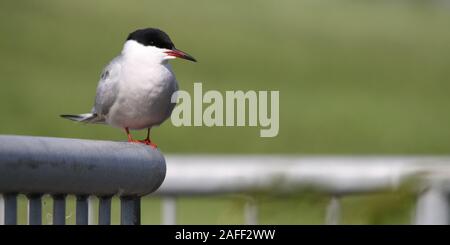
[152,37]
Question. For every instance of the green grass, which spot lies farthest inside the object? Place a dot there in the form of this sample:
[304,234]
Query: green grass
[355,77]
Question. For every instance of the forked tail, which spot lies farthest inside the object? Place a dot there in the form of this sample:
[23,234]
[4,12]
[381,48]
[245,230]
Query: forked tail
[86,118]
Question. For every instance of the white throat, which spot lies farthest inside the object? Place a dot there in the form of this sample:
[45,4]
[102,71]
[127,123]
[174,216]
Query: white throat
[150,55]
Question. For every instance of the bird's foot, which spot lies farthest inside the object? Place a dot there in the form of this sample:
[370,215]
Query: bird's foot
[148,142]
[145,142]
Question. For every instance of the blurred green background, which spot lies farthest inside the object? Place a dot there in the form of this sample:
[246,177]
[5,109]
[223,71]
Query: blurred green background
[355,77]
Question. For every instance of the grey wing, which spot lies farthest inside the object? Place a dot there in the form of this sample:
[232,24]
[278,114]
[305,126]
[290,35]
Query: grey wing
[108,88]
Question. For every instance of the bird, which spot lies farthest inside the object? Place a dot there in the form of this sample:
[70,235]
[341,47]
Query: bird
[135,89]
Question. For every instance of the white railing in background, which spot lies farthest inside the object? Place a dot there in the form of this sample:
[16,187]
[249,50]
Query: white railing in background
[339,176]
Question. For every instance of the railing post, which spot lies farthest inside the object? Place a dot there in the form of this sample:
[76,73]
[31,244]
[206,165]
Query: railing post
[169,214]
[10,209]
[59,209]
[82,208]
[35,209]
[251,212]
[333,214]
[104,210]
[433,207]
[130,210]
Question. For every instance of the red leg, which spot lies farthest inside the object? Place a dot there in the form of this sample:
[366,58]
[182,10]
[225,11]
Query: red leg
[130,138]
[147,140]
[148,134]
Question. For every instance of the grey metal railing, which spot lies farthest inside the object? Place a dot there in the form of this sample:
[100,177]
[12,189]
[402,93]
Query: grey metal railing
[337,176]
[35,166]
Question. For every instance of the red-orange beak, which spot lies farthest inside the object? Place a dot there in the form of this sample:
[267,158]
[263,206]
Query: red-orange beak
[180,54]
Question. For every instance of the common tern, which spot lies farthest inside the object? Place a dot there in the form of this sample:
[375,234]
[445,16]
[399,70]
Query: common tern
[135,88]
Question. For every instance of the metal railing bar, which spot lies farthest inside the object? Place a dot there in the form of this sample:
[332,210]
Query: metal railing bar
[82,210]
[130,210]
[59,209]
[104,210]
[169,210]
[10,209]
[34,165]
[34,209]
[191,175]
